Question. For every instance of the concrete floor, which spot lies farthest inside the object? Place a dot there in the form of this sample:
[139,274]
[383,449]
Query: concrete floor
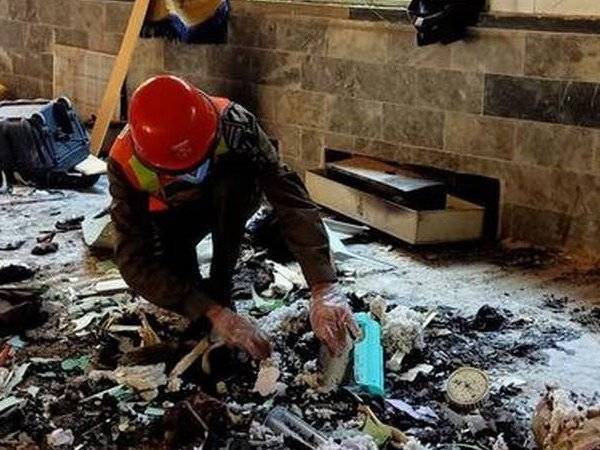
[462,277]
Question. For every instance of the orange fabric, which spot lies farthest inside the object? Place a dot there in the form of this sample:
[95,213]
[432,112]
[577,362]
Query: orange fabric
[121,152]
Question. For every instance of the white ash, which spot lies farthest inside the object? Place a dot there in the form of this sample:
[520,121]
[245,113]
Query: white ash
[500,443]
[414,444]
[264,435]
[358,442]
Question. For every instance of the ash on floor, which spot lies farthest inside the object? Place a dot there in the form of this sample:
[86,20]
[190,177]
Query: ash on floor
[525,316]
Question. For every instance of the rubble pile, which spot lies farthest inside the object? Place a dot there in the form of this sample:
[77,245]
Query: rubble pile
[91,366]
[102,379]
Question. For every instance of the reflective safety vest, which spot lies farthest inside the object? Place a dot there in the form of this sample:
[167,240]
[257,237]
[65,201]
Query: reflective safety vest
[148,180]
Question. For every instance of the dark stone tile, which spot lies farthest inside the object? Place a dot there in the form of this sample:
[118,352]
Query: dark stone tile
[569,103]
[368,81]
[117,16]
[302,35]
[555,146]
[275,68]
[376,148]
[538,226]
[334,76]
[252,31]
[563,56]
[33,65]
[39,38]
[60,14]
[88,16]
[227,62]
[356,117]
[73,38]
[311,109]
[481,136]
[450,90]
[12,34]
[23,10]
[413,126]
[185,59]
[385,82]
[356,43]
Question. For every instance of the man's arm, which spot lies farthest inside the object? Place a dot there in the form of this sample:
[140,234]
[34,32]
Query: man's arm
[138,254]
[303,229]
[299,217]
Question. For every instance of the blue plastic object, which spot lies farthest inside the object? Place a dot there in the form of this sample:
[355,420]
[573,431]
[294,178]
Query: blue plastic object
[368,356]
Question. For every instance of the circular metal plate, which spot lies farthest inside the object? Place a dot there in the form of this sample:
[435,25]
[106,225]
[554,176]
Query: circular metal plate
[467,387]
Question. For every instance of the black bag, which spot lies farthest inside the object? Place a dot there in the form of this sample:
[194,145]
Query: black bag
[444,21]
[41,142]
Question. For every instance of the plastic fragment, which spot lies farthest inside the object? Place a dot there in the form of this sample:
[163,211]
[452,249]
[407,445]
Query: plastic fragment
[60,437]
[368,356]
[282,421]
[71,364]
[412,374]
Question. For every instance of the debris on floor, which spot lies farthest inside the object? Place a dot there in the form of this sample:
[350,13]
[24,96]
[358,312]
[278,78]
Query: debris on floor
[86,363]
[44,248]
[14,271]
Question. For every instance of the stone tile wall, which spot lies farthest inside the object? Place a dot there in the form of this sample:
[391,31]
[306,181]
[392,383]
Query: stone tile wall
[29,29]
[517,105]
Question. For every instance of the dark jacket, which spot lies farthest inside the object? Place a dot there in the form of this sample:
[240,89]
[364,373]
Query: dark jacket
[142,236]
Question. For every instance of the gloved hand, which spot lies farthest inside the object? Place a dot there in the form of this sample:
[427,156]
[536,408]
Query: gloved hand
[239,332]
[331,317]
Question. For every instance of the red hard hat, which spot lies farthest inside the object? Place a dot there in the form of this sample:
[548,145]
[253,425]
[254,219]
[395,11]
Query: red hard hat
[174,126]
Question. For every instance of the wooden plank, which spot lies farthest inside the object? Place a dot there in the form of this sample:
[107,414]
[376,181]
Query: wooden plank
[462,221]
[113,90]
[389,181]
[82,76]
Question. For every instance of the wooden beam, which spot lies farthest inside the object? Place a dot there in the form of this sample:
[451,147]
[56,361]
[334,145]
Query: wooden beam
[119,72]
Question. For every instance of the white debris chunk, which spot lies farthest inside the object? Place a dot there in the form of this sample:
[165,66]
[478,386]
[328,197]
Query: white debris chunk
[60,437]
[402,331]
[500,443]
[144,379]
[414,444]
[412,374]
[358,442]
[287,319]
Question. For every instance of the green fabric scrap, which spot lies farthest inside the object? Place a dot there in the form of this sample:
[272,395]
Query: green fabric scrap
[71,364]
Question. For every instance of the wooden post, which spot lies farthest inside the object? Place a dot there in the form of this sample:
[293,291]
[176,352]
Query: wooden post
[119,72]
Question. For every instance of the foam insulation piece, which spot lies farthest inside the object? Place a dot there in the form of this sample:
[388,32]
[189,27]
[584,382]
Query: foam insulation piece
[560,422]
[402,330]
